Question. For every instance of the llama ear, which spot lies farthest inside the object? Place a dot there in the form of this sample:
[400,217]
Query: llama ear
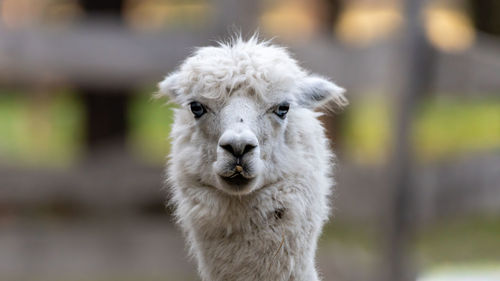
[315,91]
[169,87]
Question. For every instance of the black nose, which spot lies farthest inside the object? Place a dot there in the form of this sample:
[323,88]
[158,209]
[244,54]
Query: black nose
[238,150]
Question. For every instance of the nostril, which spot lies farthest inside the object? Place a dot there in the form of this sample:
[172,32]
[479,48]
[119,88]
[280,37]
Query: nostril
[228,148]
[239,150]
[248,148]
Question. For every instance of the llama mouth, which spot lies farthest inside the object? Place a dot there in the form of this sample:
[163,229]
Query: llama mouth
[237,179]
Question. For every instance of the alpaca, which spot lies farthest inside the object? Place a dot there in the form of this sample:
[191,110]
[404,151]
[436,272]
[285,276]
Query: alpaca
[250,166]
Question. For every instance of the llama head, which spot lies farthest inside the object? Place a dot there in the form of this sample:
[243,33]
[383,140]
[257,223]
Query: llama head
[237,102]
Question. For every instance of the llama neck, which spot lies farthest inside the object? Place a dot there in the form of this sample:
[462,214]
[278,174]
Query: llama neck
[257,237]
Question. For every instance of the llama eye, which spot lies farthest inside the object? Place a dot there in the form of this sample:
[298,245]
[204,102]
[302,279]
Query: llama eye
[282,109]
[198,109]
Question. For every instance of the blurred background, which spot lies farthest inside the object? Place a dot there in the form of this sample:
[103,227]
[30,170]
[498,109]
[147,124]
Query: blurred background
[83,144]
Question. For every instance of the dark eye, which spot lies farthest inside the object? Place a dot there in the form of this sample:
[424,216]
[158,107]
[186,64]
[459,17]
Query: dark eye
[282,109]
[198,109]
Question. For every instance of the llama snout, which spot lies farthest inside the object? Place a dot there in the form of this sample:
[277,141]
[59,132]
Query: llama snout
[238,144]
[237,164]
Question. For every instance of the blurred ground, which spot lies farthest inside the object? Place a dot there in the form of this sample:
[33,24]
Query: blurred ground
[139,248]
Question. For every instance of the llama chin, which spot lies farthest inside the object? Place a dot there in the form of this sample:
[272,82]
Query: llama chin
[250,168]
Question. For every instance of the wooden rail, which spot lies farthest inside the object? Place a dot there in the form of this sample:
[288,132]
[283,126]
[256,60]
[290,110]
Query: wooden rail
[114,57]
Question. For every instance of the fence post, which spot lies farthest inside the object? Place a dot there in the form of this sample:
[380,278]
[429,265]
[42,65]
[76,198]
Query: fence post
[414,81]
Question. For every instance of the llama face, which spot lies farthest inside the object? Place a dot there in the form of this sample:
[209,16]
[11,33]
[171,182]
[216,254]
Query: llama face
[243,133]
[234,130]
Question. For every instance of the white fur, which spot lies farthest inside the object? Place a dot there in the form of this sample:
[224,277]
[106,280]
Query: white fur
[267,230]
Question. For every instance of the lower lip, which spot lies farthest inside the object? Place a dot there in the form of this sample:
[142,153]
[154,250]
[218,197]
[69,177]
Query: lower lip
[238,180]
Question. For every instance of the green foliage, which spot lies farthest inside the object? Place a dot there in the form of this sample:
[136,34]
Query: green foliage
[40,129]
[150,122]
[444,127]
[368,130]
